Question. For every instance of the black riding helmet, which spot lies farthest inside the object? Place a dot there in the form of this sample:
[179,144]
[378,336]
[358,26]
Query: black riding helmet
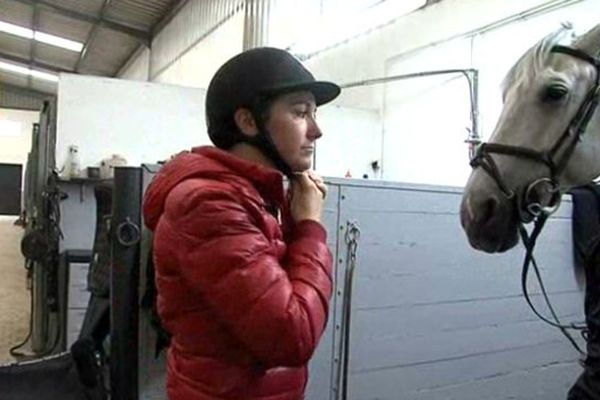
[252,80]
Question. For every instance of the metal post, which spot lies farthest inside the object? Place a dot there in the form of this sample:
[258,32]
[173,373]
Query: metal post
[124,282]
[39,327]
[37,219]
[470,74]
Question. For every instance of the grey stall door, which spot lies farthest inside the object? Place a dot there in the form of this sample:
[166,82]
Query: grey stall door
[433,319]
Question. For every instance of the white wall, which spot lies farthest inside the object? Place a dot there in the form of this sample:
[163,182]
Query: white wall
[351,141]
[15,135]
[142,121]
[423,135]
[365,56]
[425,120]
[288,22]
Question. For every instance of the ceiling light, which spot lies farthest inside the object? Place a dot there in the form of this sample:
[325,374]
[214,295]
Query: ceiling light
[43,75]
[16,30]
[40,36]
[28,71]
[57,41]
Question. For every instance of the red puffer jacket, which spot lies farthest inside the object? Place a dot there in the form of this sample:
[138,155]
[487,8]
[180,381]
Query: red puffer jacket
[246,306]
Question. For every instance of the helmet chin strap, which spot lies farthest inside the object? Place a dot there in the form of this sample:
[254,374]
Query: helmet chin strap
[264,143]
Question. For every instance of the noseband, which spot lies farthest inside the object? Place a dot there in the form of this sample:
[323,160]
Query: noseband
[556,161]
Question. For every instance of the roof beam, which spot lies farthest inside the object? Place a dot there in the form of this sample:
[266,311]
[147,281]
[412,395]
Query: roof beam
[142,36]
[23,90]
[33,43]
[174,8]
[91,36]
[25,61]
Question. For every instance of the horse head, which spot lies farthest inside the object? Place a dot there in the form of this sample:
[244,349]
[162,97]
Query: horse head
[547,140]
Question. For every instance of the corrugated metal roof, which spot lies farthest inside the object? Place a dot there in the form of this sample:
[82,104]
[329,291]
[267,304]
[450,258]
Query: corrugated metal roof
[60,25]
[14,45]
[12,96]
[43,86]
[25,83]
[143,14]
[196,20]
[13,79]
[16,13]
[109,51]
[110,30]
[63,58]
[91,7]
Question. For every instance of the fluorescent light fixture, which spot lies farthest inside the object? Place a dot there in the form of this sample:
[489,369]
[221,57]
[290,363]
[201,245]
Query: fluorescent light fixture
[28,71]
[343,24]
[43,75]
[16,30]
[40,37]
[57,41]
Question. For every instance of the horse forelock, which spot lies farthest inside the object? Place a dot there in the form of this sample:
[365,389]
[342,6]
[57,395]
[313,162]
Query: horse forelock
[534,60]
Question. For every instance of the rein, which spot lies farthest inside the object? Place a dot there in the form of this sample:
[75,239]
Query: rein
[529,242]
[529,208]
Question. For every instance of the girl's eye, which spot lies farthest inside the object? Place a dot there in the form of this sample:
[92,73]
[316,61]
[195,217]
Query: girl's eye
[304,111]
[301,113]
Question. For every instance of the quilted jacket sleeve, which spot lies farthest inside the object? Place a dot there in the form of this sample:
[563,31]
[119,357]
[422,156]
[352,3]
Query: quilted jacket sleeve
[278,311]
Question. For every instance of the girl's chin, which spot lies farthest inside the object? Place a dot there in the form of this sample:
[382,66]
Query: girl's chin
[302,166]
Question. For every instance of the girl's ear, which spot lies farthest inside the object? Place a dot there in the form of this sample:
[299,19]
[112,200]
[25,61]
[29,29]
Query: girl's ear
[245,122]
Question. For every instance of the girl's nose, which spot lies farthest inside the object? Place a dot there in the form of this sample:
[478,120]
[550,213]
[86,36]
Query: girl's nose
[314,130]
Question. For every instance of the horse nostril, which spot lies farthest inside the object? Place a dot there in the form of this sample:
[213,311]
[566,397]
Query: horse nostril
[489,209]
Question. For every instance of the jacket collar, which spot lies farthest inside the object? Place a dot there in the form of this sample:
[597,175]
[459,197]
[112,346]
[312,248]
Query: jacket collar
[267,181]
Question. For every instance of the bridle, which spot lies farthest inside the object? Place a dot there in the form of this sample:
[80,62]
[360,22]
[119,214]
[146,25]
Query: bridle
[531,208]
[553,158]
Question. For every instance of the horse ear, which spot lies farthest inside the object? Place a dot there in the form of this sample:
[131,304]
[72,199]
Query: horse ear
[590,41]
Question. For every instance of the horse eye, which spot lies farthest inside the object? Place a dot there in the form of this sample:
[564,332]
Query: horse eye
[554,93]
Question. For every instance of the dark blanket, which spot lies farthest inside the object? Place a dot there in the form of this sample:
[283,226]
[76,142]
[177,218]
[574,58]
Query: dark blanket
[586,222]
[586,247]
[63,377]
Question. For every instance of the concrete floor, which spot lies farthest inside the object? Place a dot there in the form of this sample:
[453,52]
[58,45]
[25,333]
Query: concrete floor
[14,295]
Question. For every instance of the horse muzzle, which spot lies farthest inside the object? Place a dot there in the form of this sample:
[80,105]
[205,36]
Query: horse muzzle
[490,221]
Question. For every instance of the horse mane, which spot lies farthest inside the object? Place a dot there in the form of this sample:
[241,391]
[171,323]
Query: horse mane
[533,61]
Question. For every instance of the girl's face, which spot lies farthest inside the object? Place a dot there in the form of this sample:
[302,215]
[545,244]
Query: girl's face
[293,128]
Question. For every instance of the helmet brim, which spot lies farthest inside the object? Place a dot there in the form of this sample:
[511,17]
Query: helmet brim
[323,91]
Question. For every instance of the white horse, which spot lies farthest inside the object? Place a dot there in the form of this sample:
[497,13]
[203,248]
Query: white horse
[546,141]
